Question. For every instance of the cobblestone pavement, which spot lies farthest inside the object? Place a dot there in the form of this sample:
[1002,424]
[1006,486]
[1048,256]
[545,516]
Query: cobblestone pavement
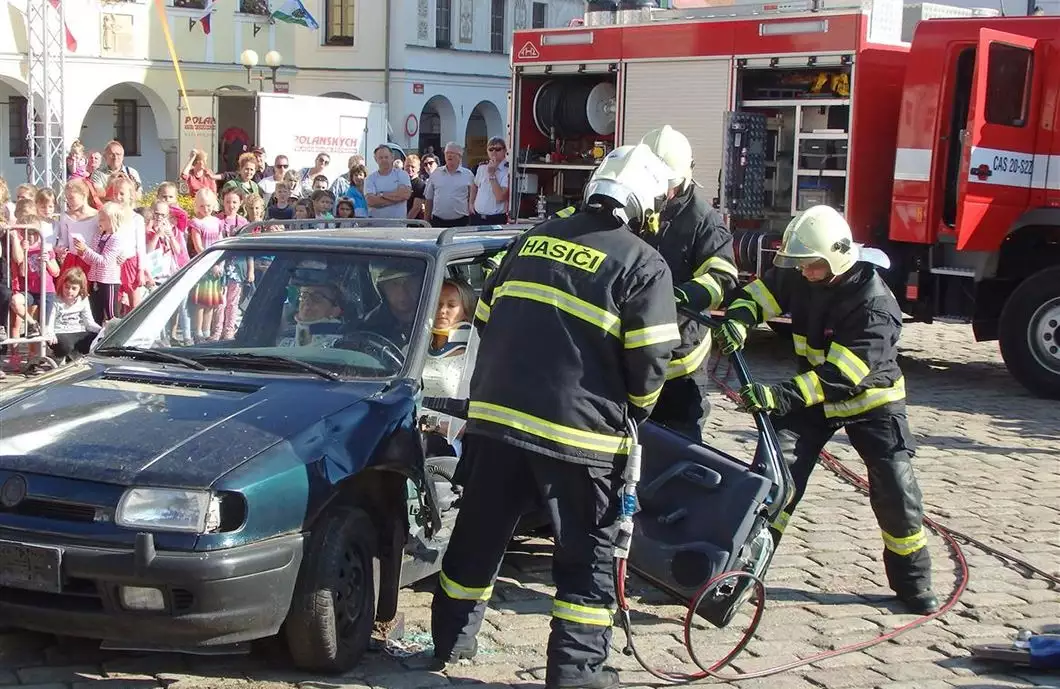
[988,464]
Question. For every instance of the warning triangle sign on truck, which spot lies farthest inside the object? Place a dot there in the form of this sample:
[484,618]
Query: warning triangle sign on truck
[528,52]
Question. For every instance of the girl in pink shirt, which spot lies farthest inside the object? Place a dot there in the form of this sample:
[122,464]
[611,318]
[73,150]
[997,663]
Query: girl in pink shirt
[104,259]
[205,230]
[231,221]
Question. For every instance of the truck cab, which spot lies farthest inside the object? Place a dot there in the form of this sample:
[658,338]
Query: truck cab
[975,214]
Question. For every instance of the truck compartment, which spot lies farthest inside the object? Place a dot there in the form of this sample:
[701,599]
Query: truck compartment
[566,127]
[786,144]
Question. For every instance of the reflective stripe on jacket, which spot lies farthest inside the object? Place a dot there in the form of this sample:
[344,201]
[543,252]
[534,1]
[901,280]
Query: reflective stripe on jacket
[576,328]
[845,335]
[693,240]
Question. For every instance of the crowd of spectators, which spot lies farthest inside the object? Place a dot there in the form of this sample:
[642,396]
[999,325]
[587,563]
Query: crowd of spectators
[64,275]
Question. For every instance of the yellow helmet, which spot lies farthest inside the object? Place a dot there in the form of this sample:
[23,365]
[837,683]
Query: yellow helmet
[819,232]
[674,149]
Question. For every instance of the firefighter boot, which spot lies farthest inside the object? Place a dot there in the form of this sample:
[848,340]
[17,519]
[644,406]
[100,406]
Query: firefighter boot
[606,678]
[922,603]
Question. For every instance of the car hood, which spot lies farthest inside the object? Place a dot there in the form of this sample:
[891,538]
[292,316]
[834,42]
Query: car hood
[151,425]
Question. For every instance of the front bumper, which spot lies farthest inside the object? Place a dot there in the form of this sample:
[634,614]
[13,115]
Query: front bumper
[211,598]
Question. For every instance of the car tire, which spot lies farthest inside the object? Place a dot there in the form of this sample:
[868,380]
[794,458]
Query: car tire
[332,613]
[1029,323]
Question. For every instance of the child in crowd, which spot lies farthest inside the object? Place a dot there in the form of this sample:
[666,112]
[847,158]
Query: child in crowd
[323,203]
[280,207]
[25,192]
[320,183]
[45,202]
[168,252]
[70,327]
[134,256]
[104,258]
[77,162]
[303,210]
[344,208]
[239,274]
[7,206]
[205,232]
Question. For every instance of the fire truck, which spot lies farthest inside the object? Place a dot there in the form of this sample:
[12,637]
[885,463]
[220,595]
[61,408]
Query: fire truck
[942,151]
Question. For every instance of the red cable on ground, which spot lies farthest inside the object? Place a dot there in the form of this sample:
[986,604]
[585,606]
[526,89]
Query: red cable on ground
[948,535]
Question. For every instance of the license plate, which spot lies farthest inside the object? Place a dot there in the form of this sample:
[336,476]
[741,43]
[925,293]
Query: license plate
[31,567]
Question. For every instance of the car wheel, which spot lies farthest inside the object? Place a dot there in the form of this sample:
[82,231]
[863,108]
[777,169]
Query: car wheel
[1030,333]
[332,612]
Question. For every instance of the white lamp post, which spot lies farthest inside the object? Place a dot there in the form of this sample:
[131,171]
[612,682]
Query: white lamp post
[249,60]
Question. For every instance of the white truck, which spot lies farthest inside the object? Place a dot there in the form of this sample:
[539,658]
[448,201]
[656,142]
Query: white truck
[299,127]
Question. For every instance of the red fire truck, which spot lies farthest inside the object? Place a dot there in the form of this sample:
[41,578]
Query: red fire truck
[944,151]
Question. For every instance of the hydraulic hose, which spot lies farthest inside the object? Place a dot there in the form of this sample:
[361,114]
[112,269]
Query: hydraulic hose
[711,671]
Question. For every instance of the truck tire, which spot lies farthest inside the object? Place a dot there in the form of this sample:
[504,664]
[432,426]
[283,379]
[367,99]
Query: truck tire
[1030,333]
[332,613]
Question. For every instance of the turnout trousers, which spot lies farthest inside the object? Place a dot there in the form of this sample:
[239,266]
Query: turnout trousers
[505,482]
[886,445]
[684,404]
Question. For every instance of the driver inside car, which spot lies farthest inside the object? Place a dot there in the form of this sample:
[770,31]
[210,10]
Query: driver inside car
[395,317]
[318,320]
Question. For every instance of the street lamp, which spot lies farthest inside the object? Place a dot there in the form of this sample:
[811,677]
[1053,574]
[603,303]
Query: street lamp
[249,60]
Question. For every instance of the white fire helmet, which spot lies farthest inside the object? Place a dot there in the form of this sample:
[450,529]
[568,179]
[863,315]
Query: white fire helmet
[633,181]
[674,149]
[819,232]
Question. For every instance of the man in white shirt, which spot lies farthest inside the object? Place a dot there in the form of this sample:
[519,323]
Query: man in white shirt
[114,157]
[489,193]
[448,192]
[387,189]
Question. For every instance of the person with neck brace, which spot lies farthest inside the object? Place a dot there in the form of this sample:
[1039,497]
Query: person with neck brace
[450,361]
[318,321]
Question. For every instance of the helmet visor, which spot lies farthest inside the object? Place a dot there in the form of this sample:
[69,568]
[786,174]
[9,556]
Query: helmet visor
[793,253]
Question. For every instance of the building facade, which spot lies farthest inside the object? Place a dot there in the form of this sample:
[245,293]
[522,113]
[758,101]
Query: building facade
[442,66]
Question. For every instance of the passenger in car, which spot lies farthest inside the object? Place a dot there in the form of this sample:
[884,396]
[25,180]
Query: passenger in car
[450,360]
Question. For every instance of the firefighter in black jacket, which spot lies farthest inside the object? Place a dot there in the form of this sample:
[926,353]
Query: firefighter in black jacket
[845,326]
[576,328]
[693,240]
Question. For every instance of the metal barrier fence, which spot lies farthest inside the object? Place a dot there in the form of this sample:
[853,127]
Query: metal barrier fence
[15,342]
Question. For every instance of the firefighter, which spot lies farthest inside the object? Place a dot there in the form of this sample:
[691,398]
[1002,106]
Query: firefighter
[692,237]
[576,328]
[845,327]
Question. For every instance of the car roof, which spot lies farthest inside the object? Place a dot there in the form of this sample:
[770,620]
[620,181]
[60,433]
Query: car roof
[429,240]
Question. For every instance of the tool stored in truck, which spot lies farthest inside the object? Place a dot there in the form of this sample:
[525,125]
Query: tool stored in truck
[951,168]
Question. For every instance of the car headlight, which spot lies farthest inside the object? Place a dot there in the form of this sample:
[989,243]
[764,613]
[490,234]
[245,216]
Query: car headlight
[169,509]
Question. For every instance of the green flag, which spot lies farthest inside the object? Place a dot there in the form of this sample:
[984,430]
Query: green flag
[294,12]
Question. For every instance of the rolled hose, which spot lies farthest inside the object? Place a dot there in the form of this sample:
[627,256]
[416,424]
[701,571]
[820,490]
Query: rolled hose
[711,671]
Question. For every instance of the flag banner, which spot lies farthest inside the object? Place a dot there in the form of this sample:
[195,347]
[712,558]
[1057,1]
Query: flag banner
[294,12]
[204,18]
[71,42]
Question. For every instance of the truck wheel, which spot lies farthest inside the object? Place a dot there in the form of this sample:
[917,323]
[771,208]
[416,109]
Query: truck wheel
[332,612]
[1030,333]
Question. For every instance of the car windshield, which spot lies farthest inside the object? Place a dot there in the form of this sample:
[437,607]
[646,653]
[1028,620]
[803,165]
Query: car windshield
[332,313]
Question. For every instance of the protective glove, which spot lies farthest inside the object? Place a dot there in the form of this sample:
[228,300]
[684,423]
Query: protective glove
[731,335]
[756,397]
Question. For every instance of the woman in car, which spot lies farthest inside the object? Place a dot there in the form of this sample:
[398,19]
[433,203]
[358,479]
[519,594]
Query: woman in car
[450,360]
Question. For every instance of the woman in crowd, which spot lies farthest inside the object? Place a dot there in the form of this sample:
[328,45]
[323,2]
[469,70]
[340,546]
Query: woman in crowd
[196,175]
[307,175]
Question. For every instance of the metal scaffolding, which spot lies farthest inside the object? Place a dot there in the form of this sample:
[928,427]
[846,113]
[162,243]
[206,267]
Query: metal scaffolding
[45,111]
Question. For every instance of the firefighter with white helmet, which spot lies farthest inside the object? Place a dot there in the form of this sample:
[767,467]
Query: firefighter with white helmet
[576,327]
[845,325]
[692,238]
